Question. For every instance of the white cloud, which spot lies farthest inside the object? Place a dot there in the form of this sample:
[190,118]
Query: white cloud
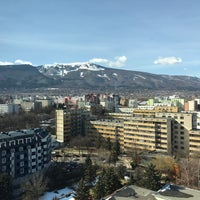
[22,62]
[168,60]
[118,62]
[17,62]
[98,60]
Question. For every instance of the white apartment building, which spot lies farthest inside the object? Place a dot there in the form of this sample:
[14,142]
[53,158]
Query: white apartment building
[9,108]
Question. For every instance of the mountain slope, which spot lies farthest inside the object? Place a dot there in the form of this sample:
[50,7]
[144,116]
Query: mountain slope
[90,76]
[22,76]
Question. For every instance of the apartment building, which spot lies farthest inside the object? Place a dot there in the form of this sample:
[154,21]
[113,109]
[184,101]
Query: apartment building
[70,122]
[173,109]
[136,133]
[9,108]
[182,123]
[147,134]
[166,130]
[194,142]
[119,116]
[24,152]
[27,106]
[113,129]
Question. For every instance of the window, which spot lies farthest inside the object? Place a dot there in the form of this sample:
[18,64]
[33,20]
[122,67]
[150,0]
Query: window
[22,171]
[3,160]
[21,164]
[3,144]
[3,168]
[12,143]
[3,153]
[21,156]
[20,141]
[21,148]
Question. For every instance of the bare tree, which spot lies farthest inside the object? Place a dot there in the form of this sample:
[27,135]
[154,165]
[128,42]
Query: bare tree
[34,187]
[188,172]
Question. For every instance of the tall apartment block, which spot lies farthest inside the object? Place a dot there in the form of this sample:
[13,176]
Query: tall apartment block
[182,124]
[70,123]
[24,152]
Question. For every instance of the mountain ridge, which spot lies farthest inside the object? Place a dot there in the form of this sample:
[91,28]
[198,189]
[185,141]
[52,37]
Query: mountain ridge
[90,75]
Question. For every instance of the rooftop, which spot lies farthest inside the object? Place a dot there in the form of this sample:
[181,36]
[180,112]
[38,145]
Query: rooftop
[19,133]
[168,192]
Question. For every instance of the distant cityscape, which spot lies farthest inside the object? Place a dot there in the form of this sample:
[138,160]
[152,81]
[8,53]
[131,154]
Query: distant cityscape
[167,125]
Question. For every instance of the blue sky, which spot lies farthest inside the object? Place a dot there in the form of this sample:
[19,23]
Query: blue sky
[156,36]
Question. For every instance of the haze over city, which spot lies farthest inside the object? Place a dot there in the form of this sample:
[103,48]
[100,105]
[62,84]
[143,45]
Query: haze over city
[154,36]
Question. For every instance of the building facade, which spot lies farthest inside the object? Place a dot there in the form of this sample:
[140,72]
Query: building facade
[147,134]
[24,152]
[9,108]
[70,123]
[182,124]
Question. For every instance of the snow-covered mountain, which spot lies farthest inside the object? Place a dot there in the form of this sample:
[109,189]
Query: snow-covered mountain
[63,69]
[90,76]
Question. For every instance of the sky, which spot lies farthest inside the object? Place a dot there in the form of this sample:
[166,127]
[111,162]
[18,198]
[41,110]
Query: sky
[155,36]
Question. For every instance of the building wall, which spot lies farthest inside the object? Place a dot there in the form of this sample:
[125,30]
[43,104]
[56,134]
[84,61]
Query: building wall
[24,152]
[182,123]
[147,134]
[69,123]
[9,108]
[166,109]
[136,133]
[112,129]
[194,142]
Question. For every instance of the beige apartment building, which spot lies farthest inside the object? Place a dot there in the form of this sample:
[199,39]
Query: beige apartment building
[173,133]
[69,123]
[136,133]
[182,124]
[148,134]
[113,129]
[194,142]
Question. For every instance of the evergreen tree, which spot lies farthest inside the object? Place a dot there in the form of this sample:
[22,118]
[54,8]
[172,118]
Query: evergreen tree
[120,171]
[116,147]
[151,178]
[108,144]
[99,189]
[5,186]
[82,193]
[113,158]
[111,181]
[136,177]
[115,152]
[89,170]
[98,141]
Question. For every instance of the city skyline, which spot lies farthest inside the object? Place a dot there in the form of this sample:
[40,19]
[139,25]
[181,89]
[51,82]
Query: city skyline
[152,36]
